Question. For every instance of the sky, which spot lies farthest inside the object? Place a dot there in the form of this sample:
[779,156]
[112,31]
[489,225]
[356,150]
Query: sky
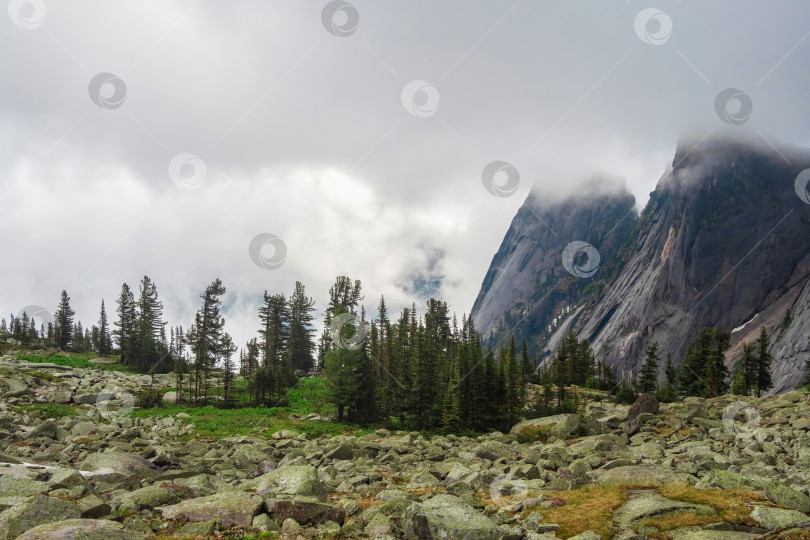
[267,142]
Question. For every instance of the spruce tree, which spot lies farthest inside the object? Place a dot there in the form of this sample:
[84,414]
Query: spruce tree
[717,372]
[125,331]
[227,350]
[274,335]
[746,378]
[104,340]
[560,378]
[648,382]
[764,359]
[514,383]
[670,372]
[206,336]
[342,369]
[148,326]
[704,371]
[301,340]
[63,322]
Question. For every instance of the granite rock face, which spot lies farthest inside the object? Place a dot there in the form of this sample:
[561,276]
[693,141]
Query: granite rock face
[722,242]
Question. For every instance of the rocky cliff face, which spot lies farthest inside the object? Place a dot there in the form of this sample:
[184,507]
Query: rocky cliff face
[722,242]
[527,290]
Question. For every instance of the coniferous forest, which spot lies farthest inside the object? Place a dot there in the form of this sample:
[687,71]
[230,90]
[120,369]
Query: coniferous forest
[423,370]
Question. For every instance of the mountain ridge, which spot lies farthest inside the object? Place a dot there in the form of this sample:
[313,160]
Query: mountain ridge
[721,240]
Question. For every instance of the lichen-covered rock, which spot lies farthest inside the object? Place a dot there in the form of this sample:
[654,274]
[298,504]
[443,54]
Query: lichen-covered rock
[37,510]
[786,496]
[306,511]
[200,528]
[446,516]
[233,508]
[145,497]
[643,475]
[117,465]
[777,518]
[646,404]
[299,480]
[21,487]
[83,529]
[540,429]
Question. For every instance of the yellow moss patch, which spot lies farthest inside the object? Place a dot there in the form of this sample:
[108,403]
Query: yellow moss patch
[588,508]
[732,506]
[675,520]
[535,433]
[792,535]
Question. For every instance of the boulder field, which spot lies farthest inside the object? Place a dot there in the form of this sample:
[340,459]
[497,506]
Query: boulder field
[725,468]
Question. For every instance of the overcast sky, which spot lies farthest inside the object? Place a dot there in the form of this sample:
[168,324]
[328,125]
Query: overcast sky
[356,134]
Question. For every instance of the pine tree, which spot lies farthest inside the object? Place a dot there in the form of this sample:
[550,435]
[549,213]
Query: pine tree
[669,390]
[764,359]
[570,351]
[148,326]
[125,331]
[514,384]
[748,373]
[104,340]
[227,350]
[670,372]
[63,322]
[274,334]
[342,368]
[648,382]
[251,365]
[206,336]
[704,371]
[301,340]
[717,372]
[560,372]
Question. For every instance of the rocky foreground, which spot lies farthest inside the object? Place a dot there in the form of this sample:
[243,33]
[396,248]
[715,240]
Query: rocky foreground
[703,469]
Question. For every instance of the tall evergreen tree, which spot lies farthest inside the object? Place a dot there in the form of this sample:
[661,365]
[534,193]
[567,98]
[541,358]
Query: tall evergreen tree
[648,381]
[514,383]
[560,376]
[301,340]
[227,350]
[704,371]
[748,371]
[342,368]
[207,337]
[670,372]
[148,326]
[104,340]
[764,360]
[125,331]
[274,342]
[63,322]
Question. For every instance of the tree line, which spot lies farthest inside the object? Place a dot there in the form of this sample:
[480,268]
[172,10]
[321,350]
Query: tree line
[411,370]
[61,332]
[417,371]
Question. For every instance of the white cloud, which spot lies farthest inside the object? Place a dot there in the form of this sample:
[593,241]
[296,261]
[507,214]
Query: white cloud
[304,135]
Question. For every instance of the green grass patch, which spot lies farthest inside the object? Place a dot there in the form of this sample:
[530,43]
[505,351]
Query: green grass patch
[50,410]
[310,396]
[261,421]
[41,375]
